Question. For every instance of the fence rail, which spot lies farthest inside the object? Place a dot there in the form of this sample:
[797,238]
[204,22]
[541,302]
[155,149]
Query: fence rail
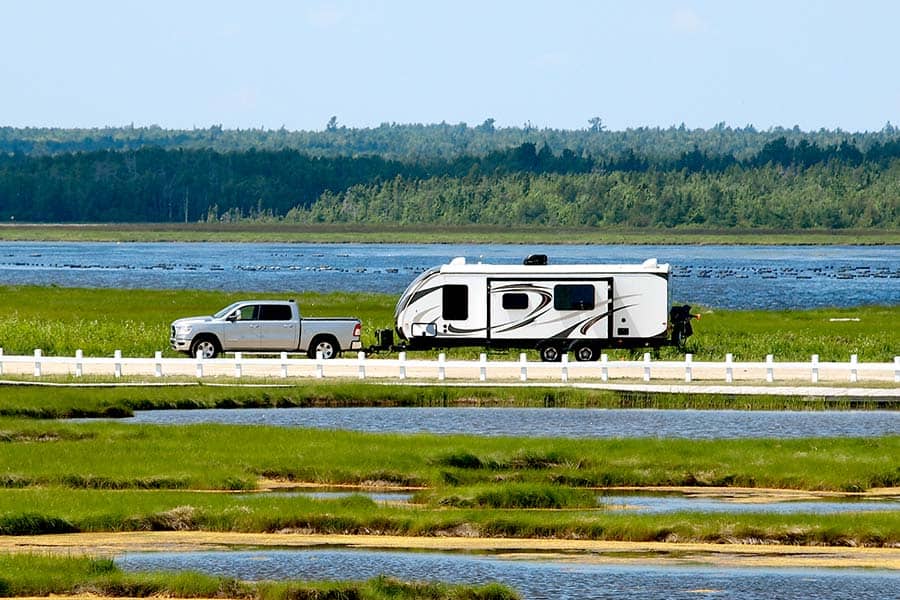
[441,369]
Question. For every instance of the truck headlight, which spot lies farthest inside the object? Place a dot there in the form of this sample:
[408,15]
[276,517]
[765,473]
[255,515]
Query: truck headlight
[182,329]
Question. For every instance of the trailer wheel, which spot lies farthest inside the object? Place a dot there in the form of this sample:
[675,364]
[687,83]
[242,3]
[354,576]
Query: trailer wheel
[550,353]
[585,353]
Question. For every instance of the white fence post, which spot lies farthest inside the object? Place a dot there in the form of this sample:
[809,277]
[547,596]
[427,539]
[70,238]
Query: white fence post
[646,366]
[284,365]
[320,368]
[442,369]
[604,367]
[37,362]
[896,367]
[564,371]
[117,366]
[729,369]
[361,357]
[482,371]
[815,368]
[770,369]
[523,372]
[688,359]
[402,359]
[199,364]
[157,368]
[854,372]
[79,367]
[238,364]
[1,362]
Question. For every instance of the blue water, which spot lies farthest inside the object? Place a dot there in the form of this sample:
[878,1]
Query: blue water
[553,422]
[534,579]
[717,276]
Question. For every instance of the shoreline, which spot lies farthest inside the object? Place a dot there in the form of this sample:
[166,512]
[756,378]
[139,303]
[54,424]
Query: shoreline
[733,555]
[432,234]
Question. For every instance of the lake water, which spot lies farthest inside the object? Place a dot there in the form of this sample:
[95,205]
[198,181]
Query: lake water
[740,277]
[553,422]
[534,579]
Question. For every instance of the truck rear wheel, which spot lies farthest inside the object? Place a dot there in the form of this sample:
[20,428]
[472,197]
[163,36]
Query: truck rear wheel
[207,346]
[324,344]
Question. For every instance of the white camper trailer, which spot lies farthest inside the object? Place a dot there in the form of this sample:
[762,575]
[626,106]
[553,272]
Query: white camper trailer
[554,308]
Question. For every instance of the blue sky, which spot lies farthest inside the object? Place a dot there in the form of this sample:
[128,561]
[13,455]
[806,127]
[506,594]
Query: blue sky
[183,64]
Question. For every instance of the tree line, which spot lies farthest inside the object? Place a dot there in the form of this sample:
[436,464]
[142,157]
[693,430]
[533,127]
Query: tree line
[782,185]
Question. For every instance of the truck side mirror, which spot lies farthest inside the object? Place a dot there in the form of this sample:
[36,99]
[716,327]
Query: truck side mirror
[232,317]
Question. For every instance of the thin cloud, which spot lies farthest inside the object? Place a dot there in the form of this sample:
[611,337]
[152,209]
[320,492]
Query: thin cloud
[326,16]
[685,20]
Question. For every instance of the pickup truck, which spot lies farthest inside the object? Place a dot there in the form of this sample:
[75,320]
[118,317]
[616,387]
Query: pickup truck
[264,326]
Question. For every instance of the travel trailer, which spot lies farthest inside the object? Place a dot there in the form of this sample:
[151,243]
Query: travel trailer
[553,308]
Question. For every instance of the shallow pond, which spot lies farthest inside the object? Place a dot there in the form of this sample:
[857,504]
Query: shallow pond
[553,422]
[534,579]
[767,277]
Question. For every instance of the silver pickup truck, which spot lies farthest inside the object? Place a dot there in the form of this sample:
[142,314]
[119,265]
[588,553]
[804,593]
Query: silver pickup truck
[264,326]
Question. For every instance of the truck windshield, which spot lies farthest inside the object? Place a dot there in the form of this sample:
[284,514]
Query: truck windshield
[413,287]
[226,310]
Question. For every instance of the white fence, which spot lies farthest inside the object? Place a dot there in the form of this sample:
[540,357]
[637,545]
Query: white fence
[441,369]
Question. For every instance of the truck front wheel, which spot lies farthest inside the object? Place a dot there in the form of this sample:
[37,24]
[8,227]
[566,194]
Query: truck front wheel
[324,344]
[207,346]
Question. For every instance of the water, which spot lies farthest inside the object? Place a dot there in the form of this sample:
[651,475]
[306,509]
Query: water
[534,579]
[670,503]
[656,503]
[738,277]
[553,422]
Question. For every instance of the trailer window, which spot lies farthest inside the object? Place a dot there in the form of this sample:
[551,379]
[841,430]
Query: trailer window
[515,301]
[573,297]
[456,302]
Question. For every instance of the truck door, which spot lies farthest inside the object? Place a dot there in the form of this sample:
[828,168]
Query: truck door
[278,329]
[241,332]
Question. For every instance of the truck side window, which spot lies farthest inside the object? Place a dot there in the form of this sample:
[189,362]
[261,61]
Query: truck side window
[248,313]
[515,301]
[455,302]
[573,297]
[275,312]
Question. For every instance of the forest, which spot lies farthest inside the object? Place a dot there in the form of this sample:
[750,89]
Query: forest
[455,174]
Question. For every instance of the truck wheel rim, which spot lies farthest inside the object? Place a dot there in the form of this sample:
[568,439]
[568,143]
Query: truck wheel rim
[206,349]
[325,349]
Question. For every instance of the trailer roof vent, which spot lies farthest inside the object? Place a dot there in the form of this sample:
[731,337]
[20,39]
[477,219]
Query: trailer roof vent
[533,260]
[650,263]
[459,260]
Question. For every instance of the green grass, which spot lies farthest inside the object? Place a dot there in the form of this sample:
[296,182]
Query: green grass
[444,234]
[117,456]
[99,321]
[80,402]
[60,510]
[43,575]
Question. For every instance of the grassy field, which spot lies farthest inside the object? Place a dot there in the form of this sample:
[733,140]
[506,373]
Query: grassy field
[100,321]
[223,457]
[38,575]
[469,234]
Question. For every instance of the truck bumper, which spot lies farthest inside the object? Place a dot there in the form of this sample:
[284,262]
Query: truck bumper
[357,345]
[180,344]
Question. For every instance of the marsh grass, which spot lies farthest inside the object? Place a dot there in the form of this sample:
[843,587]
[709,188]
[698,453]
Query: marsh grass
[44,575]
[96,511]
[99,321]
[105,455]
[36,402]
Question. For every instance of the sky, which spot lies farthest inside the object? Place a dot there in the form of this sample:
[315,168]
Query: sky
[295,64]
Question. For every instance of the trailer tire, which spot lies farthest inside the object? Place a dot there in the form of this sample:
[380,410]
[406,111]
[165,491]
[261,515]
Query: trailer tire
[585,352]
[325,344]
[207,345]
[550,352]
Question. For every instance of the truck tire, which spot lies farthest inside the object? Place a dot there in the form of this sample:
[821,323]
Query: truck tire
[550,352]
[585,352]
[325,344]
[207,345]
